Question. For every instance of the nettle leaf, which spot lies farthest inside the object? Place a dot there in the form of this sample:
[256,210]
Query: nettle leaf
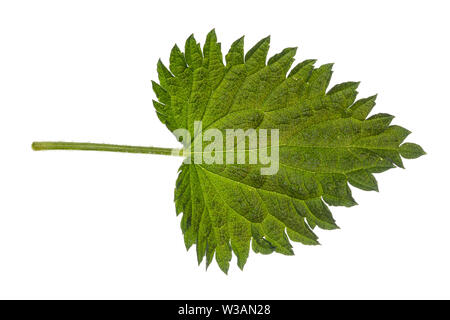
[327,140]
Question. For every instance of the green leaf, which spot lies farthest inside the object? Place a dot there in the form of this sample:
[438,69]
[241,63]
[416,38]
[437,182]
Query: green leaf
[411,150]
[326,142]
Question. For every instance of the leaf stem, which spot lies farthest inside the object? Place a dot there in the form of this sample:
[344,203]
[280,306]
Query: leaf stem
[51,145]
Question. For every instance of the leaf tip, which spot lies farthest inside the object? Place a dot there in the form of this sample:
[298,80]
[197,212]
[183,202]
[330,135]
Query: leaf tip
[264,40]
[212,33]
[191,38]
[175,48]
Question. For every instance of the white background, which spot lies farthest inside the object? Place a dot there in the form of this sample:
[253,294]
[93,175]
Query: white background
[103,225]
